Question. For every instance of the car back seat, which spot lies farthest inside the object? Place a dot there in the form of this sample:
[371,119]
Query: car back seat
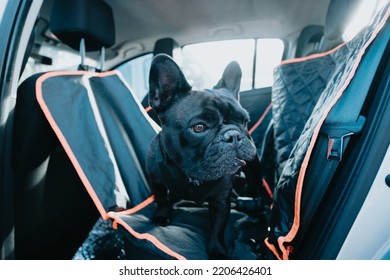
[292,207]
[184,238]
[304,92]
[278,143]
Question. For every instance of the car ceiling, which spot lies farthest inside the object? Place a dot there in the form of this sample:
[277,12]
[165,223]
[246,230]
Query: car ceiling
[139,23]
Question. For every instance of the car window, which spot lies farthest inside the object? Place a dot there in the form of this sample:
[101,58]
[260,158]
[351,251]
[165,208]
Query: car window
[136,73]
[203,63]
[3,4]
[362,16]
[269,53]
[51,58]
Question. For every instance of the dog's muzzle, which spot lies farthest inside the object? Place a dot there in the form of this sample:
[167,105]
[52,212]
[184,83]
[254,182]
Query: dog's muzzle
[233,137]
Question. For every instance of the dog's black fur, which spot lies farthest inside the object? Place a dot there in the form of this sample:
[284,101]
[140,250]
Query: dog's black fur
[204,141]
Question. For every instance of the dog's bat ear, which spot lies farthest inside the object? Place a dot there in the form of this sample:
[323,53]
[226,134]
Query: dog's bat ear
[166,83]
[231,78]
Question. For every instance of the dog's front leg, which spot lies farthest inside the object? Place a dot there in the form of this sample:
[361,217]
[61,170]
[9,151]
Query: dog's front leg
[163,212]
[219,210]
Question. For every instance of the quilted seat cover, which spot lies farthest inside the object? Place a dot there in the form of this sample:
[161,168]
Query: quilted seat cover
[295,92]
[304,92]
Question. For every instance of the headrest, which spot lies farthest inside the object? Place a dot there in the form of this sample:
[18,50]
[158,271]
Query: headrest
[309,40]
[93,20]
[338,16]
[166,46]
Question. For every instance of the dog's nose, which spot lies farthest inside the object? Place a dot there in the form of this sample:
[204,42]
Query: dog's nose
[233,137]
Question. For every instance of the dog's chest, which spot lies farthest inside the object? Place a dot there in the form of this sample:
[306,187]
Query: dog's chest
[190,190]
[182,187]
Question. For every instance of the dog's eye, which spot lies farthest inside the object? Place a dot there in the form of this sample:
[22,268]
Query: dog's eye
[198,128]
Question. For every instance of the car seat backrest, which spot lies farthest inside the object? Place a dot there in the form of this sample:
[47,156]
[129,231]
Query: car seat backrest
[52,206]
[292,107]
[305,91]
[291,111]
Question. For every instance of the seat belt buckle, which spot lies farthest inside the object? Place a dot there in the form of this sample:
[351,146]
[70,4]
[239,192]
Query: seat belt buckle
[337,133]
[336,147]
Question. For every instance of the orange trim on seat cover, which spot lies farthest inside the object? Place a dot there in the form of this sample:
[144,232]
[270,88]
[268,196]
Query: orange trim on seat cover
[256,125]
[139,206]
[143,236]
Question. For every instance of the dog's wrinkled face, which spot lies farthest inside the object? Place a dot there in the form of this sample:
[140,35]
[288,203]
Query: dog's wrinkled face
[203,132]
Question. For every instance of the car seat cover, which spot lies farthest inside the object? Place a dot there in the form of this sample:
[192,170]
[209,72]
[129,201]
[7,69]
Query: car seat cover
[296,129]
[77,106]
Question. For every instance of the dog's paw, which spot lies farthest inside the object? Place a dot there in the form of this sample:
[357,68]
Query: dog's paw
[162,216]
[161,221]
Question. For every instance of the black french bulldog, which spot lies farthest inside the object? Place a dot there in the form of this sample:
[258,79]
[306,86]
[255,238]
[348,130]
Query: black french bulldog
[204,141]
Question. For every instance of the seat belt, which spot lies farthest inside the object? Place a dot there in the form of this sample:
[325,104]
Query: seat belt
[343,121]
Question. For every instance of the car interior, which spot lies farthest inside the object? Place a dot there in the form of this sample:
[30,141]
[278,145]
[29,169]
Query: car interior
[315,128]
